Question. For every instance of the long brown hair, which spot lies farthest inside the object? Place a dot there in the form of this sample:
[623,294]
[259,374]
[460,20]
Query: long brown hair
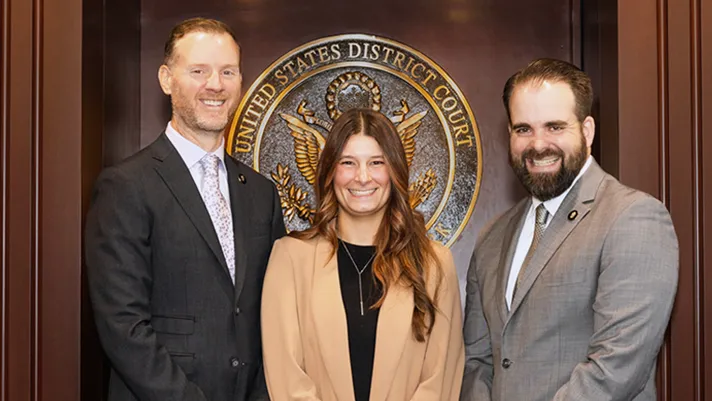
[404,254]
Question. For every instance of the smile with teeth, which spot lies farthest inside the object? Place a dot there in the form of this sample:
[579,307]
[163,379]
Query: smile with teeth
[213,103]
[362,192]
[545,162]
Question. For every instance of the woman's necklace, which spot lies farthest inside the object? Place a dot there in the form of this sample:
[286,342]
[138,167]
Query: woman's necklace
[359,271]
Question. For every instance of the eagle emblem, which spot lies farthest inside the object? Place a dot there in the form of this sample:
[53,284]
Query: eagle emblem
[351,89]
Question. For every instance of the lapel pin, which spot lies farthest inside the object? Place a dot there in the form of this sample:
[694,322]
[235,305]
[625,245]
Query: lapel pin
[242,178]
[573,214]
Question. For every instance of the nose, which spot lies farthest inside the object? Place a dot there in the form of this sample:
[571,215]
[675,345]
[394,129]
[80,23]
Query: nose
[214,81]
[539,141]
[363,175]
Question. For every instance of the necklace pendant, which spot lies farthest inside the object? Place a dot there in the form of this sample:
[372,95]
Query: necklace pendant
[361,308]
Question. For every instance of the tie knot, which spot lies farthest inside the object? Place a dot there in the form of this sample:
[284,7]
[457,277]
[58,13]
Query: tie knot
[210,164]
[541,214]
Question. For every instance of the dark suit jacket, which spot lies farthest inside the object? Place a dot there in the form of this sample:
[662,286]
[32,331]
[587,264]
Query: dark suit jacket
[169,318]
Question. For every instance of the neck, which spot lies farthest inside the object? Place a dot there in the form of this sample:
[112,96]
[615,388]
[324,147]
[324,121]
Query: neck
[209,141]
[358,231]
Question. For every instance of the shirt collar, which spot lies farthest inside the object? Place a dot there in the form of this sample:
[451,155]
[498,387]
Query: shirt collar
[190,152]
[552,205]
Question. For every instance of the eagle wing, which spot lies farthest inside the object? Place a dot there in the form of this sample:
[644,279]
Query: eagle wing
[308,144]
[407,130]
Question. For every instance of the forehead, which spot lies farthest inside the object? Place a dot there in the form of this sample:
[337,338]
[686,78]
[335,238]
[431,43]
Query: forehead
[539,102]
[361,145]
[206,47]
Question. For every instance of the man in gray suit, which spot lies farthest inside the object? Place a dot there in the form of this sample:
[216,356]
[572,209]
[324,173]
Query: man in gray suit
[178,238]
[570,291]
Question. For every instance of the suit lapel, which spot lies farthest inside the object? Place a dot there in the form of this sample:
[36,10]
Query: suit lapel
[238,194]
[392,333]
[580,199]
[177,177]
[330,321]
[511,233]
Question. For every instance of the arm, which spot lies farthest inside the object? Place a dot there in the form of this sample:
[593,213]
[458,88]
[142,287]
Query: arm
[477,382]
[259,392]
[281,336]
[636,288]
[445,355]
[118,258]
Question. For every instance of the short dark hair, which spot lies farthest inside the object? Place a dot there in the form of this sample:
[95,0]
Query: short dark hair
[546,69]
[197,24]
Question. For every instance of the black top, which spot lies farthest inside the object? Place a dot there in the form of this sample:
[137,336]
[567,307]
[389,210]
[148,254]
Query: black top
[361,329]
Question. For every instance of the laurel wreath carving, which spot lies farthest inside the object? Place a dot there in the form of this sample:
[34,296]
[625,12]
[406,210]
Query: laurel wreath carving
[421,188]
[292,198]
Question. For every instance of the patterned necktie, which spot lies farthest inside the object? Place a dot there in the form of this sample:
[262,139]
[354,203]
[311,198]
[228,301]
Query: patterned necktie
[541,216]
[218,209]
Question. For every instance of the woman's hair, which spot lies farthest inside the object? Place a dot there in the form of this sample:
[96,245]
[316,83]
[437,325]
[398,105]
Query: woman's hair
[404,254]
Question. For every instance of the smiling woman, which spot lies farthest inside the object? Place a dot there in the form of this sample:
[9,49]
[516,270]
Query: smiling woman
[381,299]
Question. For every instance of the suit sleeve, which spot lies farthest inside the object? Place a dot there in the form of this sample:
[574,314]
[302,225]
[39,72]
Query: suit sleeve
[281,334]
[636,288]
[477,381]
[260,392]
[445,354]
[118,258]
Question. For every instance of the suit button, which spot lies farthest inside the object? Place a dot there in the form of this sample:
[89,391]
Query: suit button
[234,362]
[237,310]
[506,363]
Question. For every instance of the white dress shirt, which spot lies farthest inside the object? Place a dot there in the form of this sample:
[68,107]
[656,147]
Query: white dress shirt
[191,155]
[527,234]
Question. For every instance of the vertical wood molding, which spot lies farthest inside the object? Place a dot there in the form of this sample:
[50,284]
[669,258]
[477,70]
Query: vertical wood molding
[41,199]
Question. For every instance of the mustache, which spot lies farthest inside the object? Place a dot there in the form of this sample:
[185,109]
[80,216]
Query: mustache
[533,154]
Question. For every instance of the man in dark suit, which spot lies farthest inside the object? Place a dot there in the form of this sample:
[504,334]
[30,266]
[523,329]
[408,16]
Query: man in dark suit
[178,238]
[570,291]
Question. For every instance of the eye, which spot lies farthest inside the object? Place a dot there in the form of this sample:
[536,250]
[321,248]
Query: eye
[522,130]
[197,71]
[378,162]
[230,73]
[556,128]
[347,163]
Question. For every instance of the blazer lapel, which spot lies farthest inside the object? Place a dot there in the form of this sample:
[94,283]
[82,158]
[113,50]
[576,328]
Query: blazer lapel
[238,192]
[579,199]
[330,321]
[392,333]
[179,181]
[511,234]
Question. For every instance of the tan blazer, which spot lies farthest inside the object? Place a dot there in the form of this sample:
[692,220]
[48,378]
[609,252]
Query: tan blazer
[304,333]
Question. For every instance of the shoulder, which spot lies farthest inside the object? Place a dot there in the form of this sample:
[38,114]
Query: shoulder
[252,177]
[622,200]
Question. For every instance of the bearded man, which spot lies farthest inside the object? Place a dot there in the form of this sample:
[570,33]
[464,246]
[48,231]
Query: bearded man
[569,292]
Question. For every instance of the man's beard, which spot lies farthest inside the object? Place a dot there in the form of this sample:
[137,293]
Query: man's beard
[545,186]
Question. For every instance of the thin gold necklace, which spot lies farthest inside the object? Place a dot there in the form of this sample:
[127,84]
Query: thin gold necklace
[359,271]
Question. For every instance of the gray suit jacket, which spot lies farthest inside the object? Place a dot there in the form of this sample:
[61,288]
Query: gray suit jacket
[590,313]
[168,315]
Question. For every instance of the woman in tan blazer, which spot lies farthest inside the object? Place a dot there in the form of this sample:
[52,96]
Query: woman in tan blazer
[362,306]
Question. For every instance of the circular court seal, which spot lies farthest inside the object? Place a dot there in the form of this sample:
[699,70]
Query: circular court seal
[282,121]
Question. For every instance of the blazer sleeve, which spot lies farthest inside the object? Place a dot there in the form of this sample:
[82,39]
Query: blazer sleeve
[260,392]
[477,382]
[445,354]
[636,288]
[281,336]
[118,257]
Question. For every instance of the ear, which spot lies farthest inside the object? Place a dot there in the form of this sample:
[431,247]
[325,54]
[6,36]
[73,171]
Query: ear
[589,130]
[165,78]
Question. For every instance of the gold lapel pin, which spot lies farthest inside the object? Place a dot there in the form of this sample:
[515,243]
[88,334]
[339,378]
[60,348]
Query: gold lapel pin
[573,214]
[241,178]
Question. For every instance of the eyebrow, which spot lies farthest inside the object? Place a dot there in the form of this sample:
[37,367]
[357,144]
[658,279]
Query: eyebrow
[520,125]
[556,123]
